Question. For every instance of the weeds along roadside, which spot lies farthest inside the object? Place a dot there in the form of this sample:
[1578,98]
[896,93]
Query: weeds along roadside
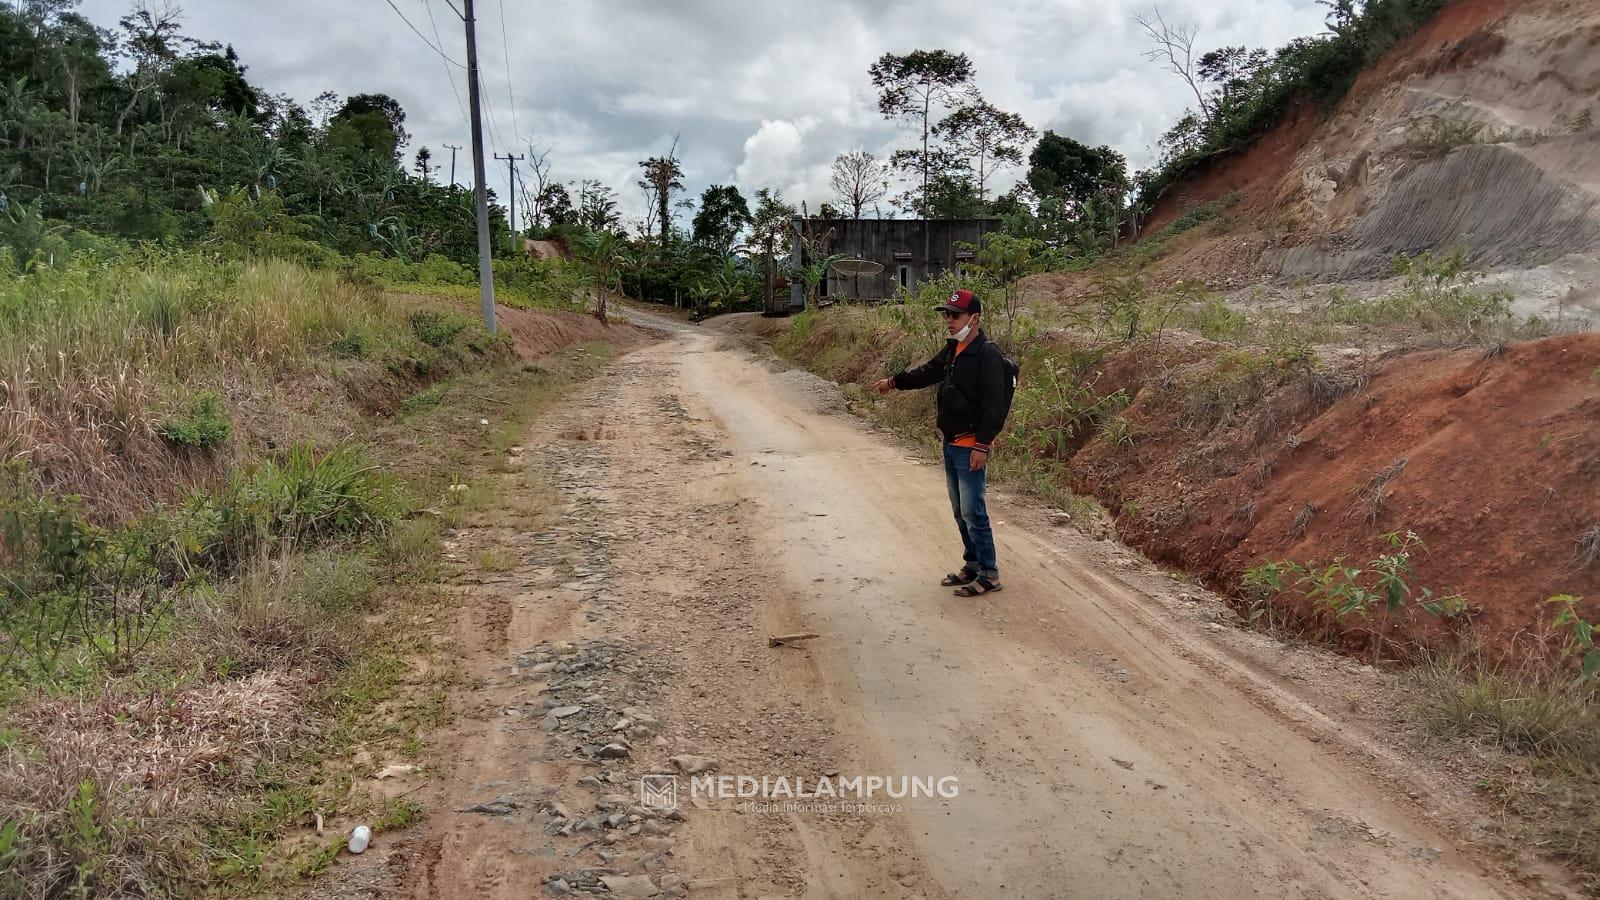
[219,524]
[1134,373]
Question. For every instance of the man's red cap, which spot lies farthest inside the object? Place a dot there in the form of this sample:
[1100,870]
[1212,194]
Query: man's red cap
[961,301]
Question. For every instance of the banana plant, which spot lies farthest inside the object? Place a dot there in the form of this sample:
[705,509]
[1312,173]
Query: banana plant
[602,251]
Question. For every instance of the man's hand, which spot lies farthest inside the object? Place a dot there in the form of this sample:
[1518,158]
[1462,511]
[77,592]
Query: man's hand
[978,460]
[883,385]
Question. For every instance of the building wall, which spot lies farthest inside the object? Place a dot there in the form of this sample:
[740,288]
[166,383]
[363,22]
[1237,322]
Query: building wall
[893,243]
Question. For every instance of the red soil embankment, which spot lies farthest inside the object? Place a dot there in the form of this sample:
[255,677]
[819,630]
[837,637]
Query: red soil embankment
[1253,173]
[537,331]
[1501,476]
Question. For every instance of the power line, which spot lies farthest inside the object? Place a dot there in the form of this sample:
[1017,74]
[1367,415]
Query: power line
[431,46]
[494,133]
[447,71]
[505,44]
[494,118]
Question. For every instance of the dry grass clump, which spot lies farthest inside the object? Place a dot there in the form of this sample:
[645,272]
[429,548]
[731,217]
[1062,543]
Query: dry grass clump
[1546,727]
[108,795]
[94,357]
[269,619]
[1588,550]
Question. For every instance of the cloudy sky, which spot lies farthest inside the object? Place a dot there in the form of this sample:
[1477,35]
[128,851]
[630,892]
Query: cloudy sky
[760,93]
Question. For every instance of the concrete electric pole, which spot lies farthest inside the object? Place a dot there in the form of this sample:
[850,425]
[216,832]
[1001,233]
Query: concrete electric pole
[452,148]
[480,185]
[511,166]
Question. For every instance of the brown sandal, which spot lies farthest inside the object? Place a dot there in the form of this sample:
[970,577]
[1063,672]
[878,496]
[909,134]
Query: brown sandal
[965,576]
[980,585]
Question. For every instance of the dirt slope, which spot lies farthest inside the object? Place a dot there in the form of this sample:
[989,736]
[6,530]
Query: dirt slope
[1477,131]
[1105,730]
[1501,459]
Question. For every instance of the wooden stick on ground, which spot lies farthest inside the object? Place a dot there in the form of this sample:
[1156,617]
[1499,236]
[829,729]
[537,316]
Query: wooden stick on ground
[790,640]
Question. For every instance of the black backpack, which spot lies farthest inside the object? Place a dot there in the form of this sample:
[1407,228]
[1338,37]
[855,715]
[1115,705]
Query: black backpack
[1013,375]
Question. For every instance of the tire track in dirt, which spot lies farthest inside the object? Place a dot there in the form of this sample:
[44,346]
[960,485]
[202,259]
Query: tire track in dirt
[631,588]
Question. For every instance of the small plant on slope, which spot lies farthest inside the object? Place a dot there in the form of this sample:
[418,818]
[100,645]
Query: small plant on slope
[1583,633]
[1382,587]
[204,426]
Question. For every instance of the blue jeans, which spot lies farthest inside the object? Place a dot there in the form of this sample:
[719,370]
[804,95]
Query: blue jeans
[972,515]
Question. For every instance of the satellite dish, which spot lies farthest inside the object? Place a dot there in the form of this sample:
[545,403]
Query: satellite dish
[856,267]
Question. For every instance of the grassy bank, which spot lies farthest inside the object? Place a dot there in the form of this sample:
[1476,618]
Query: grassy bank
[222,494]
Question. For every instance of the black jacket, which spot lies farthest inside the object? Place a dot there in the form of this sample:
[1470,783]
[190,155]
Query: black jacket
[972,388]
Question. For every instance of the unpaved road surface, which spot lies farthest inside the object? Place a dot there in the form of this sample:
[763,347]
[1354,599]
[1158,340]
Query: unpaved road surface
[1106,741]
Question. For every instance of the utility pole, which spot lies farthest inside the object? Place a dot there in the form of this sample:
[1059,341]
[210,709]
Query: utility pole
[511,164]
[452,148]
[480,187]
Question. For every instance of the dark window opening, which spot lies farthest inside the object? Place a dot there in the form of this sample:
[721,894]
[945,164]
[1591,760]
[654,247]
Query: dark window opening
[905,276]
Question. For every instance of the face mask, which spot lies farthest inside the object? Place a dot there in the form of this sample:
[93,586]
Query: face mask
[961,336]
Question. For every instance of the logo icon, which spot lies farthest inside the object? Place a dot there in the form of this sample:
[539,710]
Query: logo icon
[658,791]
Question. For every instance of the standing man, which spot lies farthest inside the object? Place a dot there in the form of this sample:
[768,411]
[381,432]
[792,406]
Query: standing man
[974,398]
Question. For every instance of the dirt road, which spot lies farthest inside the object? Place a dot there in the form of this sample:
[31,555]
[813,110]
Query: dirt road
[1107,741]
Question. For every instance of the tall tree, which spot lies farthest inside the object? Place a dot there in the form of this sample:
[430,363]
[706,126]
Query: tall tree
[911,86]
[945,168]
[151,41]
[370,124]
[950,195]
[1073,172]
[1172,45]
[1231,69]
[556,204]
[858,180]
[597,206]
[663,175]
[424,164]
[533,188]
[723,214]
[991,137]
[771,229]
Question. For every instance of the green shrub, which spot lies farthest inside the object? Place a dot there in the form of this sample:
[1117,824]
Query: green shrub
[1381,589]
[303,498]
[1198,215]
[1441,290]
[351,345]
[1125,310]
[1216,321]
[436,269]
[437,329]
[204,426]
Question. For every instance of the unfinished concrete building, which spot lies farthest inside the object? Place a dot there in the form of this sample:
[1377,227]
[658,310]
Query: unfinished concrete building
[909,250]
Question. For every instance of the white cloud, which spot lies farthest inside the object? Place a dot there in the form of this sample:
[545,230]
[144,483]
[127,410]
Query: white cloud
[762,93]
[774,156]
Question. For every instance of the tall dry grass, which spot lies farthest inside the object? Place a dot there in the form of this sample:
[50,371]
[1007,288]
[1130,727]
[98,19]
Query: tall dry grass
[93,356]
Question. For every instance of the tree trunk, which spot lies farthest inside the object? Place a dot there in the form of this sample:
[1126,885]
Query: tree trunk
[122,116]
[767,286]
[664,199]
[927,239]
[72,90]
